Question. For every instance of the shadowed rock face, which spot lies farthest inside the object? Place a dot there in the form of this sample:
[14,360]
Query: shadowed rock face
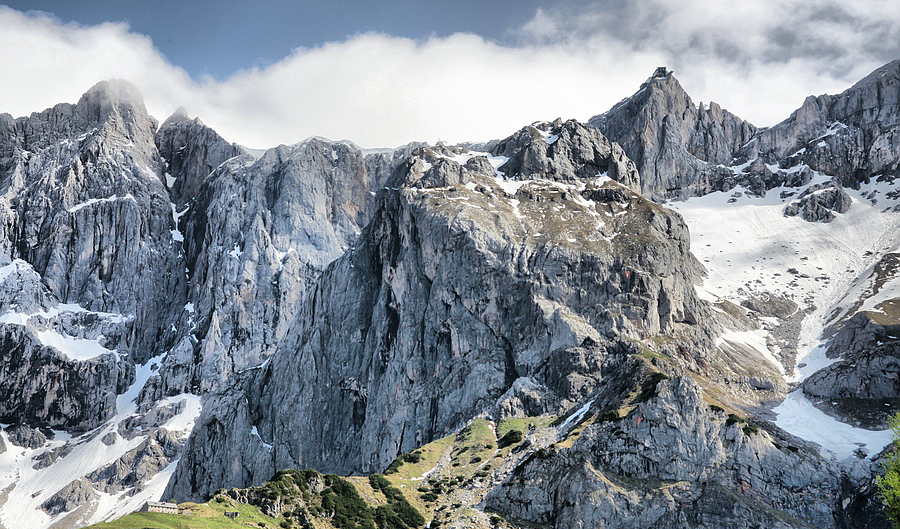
[457,299]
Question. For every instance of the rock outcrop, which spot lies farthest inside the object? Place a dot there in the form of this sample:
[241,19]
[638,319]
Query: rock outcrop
[679,148]
[868,345]
[498,288]
[76,494]
[819,202]
[673,461]
[682,150]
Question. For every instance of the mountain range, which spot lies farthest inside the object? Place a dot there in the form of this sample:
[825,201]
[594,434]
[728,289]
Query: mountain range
[698,318]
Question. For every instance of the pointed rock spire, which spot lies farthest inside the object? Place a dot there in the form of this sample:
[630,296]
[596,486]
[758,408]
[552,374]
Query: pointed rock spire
[675,144]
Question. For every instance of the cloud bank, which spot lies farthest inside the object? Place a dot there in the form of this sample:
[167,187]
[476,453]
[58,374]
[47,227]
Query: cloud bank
[755,58]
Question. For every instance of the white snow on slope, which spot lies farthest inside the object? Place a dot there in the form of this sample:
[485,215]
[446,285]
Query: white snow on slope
[798,416]
[74,348]
[93,201]
[33,487]
[748,246]
[12,267]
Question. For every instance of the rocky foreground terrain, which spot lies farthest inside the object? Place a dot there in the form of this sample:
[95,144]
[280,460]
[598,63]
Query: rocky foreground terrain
[690,321]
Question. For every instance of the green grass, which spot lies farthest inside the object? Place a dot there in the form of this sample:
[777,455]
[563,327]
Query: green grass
[206,516]
[504,426]
[474,453]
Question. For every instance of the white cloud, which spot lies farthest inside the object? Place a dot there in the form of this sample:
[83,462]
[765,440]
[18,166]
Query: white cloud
[758,60]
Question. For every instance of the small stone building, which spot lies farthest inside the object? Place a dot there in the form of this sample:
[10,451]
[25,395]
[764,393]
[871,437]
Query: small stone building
[158,506]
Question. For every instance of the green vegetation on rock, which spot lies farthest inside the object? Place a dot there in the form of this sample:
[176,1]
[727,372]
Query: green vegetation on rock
[889,484]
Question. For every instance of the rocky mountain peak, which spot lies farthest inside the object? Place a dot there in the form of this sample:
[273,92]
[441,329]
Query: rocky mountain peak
[191,151]
[849,136]
[178,116]
[119,103]
[675,144]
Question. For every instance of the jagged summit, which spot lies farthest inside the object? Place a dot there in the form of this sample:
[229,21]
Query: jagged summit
[851,136]
[676,144]
[179,116]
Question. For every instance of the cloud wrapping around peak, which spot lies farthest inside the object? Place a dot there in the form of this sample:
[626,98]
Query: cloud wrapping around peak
[756,58]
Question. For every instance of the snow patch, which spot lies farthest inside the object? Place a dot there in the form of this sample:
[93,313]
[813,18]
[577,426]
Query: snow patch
[255,433]
[798,416]
[575,417]
[75,348]
[93,201]
[176,216]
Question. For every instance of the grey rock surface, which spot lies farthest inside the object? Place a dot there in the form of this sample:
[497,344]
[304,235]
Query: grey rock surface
[76,494]
[672,461]
[190,151]
[851,136]
[336,306]
[677,146]
[23,436]
[138,465]
[467,284]
[869,348]
[683,150]
[82,393]
[84,205]
[819,202]
[566,152]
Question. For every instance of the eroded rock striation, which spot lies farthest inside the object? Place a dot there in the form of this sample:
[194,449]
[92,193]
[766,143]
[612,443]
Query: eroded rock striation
[500,289]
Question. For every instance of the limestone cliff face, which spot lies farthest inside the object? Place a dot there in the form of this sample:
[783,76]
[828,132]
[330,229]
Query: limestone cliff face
[257,232]
[191,151]
[672,462]
[335,307]
[676,145]
[851,136]
[141,267]
[466,292]
[86,213]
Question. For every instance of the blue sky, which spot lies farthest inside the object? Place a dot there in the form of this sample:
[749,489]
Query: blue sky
[382,74]
[219,38]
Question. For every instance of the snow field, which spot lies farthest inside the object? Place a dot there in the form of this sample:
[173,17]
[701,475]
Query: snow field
[749,247]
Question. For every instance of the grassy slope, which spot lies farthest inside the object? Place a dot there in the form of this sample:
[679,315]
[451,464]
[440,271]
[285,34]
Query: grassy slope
[444,467]
[209,515]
